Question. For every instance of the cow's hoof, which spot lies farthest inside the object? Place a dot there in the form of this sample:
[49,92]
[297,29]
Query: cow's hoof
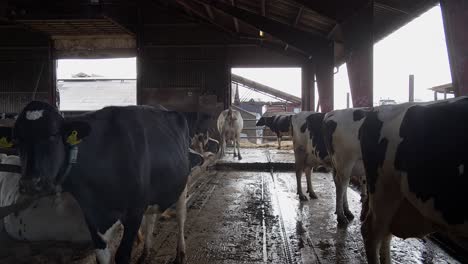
[239,158]
[342,221]
[312,195]
[349,215]
[143,256]
[302,197]
[180,258]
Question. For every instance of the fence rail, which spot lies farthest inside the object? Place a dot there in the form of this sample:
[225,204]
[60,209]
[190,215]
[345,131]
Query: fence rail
[269,137]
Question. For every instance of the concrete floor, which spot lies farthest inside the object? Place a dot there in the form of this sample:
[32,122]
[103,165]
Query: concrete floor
[255,217]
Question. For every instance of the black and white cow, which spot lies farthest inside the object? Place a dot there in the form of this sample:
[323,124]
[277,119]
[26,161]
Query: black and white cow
[119,163]
[341,134]
[309,148]
[230,124]
[329,140]
[279,124]
[415,158]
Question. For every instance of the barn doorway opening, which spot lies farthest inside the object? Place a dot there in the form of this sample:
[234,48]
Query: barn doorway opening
[263,92]
[91,84]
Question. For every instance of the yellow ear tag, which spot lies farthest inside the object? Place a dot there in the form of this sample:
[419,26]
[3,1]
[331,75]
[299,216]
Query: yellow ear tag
[4,143]
[72,138]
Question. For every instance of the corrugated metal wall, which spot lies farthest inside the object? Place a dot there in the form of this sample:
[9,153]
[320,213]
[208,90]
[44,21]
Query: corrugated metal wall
[25,69]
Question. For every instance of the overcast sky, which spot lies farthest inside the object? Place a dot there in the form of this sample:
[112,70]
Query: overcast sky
[418,48]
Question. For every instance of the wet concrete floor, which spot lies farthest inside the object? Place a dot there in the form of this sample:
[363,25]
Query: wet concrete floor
[255,217]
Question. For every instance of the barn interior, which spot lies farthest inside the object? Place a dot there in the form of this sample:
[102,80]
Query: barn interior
[185,50]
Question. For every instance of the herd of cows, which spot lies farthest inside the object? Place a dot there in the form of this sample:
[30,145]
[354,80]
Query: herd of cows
[122,166]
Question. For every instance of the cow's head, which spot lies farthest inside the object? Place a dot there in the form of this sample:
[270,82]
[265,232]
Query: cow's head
[43,139]
[264,121]
[199,141]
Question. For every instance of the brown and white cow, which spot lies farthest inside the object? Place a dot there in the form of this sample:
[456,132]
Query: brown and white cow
[230,124]
[415,157]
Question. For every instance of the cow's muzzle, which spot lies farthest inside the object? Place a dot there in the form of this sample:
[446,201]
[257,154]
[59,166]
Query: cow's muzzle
[30,186]
[35,187]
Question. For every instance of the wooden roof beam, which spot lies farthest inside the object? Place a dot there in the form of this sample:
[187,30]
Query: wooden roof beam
[201,15]
[209,12]
[298,16]
[333,9]
[311,44]
[391,8]
[236,22]
[263,7]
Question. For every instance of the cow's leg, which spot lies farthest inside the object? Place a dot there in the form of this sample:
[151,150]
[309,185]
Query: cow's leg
[101,241]
[238,148]
[341,177]
[223,146]
[131,224]
[181,209]
[385,250]
[375,230]
[310,189]
[147,226]
[363,184]
[371,243]
[278,137]
[302,197]
[234,147]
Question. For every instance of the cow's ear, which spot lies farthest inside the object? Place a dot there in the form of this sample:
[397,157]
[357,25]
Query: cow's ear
[6,137]
[75,131]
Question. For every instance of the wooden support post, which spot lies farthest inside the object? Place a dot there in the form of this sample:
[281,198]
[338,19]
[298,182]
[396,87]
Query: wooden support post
[54,96]
[435,96]
[308,86]
[455,17]
[411,88]
[359,48]
[140,56]
[306,83]
[312,87]
[347,100]
[324,72]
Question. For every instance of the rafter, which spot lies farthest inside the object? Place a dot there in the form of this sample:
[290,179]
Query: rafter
[310,43]
[209,11]
[263,7]
[328,8]
[390,8]
[298,16]
[236,22]
[202,15]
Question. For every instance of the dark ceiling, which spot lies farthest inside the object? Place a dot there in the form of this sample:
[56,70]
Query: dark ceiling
[303,25]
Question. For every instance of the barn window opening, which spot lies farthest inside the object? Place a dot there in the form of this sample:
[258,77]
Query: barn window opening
[258,92]
[91,84]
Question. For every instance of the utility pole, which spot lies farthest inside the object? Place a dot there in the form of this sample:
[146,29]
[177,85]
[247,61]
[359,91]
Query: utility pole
[411,88]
